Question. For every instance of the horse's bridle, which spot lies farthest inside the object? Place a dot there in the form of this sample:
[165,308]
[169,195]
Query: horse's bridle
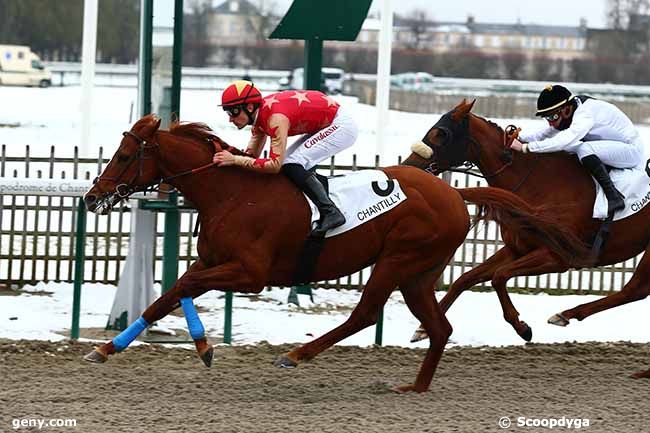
[471,167]
[123,190]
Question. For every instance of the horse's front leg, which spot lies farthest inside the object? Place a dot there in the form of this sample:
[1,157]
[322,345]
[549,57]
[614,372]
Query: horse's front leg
[537,262]
[469,279]
[197,280]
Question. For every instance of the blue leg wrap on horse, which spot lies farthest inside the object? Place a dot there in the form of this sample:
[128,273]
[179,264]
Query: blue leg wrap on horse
[127,336]
[193,322]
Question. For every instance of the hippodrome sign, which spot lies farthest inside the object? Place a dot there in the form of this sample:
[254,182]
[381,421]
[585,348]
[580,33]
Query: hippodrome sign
[51,187]
[60,188]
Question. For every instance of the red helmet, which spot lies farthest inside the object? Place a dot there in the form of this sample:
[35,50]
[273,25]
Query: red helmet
[240,92]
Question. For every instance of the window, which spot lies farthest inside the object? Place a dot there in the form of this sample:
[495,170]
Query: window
[21,55]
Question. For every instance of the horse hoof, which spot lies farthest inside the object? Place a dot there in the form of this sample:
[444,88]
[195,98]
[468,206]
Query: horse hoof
[285,362]
[207,356]
[96,356]
[419,335]
[641,375]
[403,389]
[527,333]
[558,320]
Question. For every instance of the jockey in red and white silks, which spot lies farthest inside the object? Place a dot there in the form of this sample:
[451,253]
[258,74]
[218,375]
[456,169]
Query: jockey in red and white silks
[325,128]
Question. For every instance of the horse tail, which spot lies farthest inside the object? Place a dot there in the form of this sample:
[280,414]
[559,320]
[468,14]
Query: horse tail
[509,210]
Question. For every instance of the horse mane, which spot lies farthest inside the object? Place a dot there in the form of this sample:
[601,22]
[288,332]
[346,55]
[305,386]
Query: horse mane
[201,132]
[489,122]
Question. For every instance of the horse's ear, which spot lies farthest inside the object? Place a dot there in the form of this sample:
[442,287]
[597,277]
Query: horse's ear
[157,123]
[462,109]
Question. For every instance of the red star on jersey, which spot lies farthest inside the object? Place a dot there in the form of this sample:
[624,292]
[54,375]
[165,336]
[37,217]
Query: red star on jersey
[329,100]
[273,155]
[272,131]
[300,97]
[268,103]
[261,162]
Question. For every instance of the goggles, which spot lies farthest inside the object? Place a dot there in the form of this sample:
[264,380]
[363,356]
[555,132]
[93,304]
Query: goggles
[552,117]
[233,111]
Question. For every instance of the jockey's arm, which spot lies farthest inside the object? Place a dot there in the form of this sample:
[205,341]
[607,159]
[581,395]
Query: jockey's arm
[279,126]
[256,143]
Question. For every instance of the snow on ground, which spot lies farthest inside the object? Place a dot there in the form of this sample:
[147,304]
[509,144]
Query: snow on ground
[476,317]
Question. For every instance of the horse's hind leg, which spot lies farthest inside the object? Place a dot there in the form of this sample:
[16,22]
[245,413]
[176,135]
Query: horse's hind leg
[479,274]
[636,289]
[417,295]
[375,294]
[537,262]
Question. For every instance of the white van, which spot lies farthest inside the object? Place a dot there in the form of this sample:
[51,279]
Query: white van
[19,66]
[331,80]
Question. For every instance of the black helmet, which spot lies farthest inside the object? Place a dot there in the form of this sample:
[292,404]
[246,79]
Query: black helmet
[552,97]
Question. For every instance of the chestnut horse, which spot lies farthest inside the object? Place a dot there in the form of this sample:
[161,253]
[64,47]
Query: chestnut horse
[555,180]
[253,227]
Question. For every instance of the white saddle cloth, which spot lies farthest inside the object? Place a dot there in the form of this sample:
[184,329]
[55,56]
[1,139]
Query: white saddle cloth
[361,196]
[633,183]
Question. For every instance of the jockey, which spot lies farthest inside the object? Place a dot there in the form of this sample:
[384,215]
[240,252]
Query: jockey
[596,131]
[324,127]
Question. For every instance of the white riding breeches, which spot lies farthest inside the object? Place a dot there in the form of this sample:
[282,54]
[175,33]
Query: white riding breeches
[613,153]
[311,149]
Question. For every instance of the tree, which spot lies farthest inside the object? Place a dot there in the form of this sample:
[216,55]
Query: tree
[417,21]
[196,47]
[118,29]
[513,63]
[261,25]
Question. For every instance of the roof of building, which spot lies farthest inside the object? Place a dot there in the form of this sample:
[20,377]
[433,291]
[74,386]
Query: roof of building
[472,26]
[236,7]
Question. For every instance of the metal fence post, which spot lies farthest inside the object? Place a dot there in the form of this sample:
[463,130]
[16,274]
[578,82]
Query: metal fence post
[79,257]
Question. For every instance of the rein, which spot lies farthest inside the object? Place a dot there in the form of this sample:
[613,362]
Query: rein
[125,189]
[471,168]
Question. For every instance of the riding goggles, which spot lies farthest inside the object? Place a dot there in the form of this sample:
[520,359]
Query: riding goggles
[233,111]
[552,117]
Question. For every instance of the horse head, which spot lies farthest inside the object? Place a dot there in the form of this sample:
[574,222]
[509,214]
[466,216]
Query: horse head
[449,144]
[132,168]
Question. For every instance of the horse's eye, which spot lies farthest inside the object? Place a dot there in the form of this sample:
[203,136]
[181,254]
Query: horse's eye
[122,158]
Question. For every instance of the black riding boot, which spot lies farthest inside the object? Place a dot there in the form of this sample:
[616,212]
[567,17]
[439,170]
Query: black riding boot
[330,216]
[615,200]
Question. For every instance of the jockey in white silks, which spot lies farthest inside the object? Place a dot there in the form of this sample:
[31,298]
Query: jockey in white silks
[596,131]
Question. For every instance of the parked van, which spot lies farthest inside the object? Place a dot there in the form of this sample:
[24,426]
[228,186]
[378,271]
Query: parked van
[331,80]
[19,66]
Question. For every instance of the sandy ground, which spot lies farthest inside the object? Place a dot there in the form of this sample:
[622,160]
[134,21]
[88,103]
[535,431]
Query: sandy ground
[151,388]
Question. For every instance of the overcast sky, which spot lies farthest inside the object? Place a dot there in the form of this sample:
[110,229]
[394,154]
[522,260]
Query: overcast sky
[548,12]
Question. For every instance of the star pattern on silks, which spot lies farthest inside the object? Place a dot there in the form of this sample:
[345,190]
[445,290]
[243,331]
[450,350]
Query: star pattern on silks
[261,162]
[301,97]
[268,102]
[329,100]
[273,131]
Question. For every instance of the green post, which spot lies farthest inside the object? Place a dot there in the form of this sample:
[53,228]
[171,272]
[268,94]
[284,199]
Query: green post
[313,63]
[79,256]
[227,321]
[171,243]
[379,330]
